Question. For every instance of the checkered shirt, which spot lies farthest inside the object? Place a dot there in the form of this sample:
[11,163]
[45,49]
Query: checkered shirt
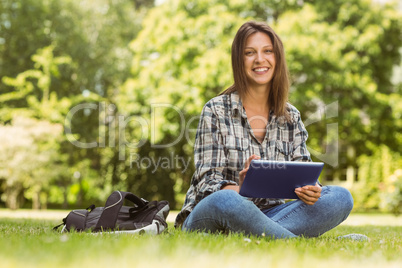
[225,140]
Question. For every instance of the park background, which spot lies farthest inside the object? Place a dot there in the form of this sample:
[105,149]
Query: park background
[95,93]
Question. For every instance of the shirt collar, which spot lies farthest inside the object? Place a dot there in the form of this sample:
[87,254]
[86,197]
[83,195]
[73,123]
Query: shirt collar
[237,105]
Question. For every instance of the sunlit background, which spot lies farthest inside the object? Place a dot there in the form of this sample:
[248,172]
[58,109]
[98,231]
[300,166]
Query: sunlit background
[104,95]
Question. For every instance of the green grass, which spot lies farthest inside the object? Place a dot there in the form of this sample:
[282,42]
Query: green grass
[32,243]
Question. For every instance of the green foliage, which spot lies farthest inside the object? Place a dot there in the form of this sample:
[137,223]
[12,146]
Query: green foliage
[94,34]
[391,196]
[147,75]
[34,86]
[346,56]
[56,55]
[29,147]
[379,185]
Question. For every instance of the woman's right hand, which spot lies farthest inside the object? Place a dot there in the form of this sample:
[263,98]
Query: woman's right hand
[243,173]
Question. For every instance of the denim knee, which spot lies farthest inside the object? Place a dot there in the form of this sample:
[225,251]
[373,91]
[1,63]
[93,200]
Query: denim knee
[225,202]
[343,198]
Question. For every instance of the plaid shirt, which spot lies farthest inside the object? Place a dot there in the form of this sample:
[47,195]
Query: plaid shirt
[225,140]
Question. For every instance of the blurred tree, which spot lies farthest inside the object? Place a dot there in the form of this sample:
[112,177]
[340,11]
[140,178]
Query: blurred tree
[340,51]
[49,108]
[29,149]
[94,36]
[144,3]
[33,86]
[391,198]
[380,184]
[346,54]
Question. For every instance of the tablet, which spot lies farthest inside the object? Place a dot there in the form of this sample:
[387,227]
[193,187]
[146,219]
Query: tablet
[279,179]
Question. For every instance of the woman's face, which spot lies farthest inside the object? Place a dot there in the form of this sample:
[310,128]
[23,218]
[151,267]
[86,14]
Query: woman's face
[259,60]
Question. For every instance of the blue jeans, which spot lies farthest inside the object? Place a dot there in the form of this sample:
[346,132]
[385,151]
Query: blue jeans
[227,211]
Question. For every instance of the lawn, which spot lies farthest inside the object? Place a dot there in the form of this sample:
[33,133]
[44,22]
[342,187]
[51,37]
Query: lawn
[30,242]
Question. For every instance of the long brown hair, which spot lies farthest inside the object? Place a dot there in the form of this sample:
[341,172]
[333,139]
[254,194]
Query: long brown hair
[278,93]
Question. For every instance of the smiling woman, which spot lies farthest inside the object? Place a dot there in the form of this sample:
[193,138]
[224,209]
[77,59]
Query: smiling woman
[249,38]
[251,120]
[259,61]
[259,65]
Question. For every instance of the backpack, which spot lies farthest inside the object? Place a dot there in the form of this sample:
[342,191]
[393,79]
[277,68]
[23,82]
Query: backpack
[142,217]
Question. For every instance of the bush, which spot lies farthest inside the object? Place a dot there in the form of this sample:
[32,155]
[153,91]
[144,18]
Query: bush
[379,184]
[391,196]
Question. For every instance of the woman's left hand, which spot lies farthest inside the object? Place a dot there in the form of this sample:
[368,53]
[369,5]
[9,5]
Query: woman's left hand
[243,173]
[309,194]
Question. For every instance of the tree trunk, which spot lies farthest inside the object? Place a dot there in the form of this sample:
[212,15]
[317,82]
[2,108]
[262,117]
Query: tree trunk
[35,201]
[65,202]
[43,200]
[12,201]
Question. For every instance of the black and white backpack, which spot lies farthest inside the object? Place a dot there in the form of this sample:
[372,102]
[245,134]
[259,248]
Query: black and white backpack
[142,217]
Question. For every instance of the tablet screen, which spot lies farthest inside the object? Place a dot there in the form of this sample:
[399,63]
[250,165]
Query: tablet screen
[279,179]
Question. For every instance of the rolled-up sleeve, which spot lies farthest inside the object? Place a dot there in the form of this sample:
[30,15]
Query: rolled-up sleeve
[209,156]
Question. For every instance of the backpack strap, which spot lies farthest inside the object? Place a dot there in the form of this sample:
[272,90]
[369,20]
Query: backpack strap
[113,205]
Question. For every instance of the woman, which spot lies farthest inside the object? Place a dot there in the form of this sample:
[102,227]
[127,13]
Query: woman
[252,120]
